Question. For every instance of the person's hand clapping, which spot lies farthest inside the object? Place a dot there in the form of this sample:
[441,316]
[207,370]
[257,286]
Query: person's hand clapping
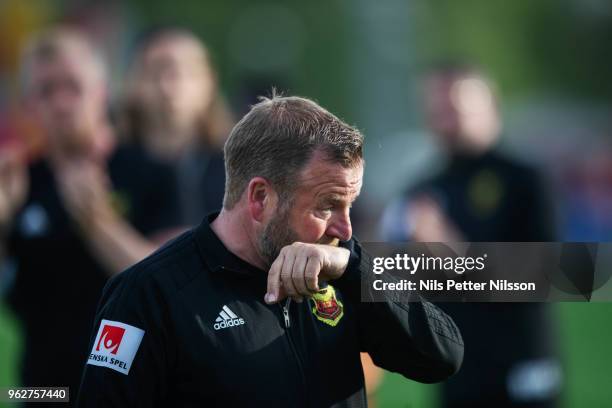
[13,184]
[85,191]
[430,223]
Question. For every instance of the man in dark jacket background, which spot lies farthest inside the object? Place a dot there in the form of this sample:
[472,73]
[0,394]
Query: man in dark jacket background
[483,195]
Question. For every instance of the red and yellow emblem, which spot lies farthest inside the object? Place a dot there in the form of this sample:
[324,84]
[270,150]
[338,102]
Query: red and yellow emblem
[326,307]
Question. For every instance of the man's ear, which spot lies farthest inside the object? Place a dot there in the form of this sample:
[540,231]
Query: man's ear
[260,197]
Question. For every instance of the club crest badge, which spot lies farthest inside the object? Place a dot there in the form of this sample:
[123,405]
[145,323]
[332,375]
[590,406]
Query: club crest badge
[326,307]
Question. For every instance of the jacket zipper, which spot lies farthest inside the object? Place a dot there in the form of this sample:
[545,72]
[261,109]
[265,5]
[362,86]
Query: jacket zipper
[286,314]
[287,318]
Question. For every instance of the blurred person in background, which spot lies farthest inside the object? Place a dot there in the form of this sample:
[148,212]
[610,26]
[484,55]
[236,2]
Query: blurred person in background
[86,210]
[482,195]
[175,111]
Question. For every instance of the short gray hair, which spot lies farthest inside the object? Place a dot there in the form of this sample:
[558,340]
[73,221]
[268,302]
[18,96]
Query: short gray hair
[276,138]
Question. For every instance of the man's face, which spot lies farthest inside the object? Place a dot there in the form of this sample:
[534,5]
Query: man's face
[461,111]
[175,81]
[319,208]
[68,96]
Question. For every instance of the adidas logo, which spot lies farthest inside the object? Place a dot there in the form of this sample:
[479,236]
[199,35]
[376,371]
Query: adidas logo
[227,318]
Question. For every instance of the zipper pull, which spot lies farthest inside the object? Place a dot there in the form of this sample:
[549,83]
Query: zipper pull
[286,314]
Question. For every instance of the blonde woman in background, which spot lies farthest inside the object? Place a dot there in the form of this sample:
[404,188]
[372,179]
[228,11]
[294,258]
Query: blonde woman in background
[174,110]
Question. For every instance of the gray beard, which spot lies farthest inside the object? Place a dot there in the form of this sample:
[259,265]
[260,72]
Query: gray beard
[276,235]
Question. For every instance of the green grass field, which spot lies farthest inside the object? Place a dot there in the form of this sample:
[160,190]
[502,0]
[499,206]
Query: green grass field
[586,338]
[9,349]
[586,335]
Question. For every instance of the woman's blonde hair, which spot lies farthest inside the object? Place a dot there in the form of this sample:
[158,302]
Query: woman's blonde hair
[214,122]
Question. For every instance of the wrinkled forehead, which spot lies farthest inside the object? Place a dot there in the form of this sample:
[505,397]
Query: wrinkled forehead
[321,175]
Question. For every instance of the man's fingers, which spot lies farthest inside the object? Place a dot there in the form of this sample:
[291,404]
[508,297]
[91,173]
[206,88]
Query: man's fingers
[281,293]
[311,275]
[273,293]
[299,268]
[286,272]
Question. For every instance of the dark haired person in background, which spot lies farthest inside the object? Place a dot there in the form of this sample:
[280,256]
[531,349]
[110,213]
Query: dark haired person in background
[174,110]
[260,305]
[83,212]
[483,195]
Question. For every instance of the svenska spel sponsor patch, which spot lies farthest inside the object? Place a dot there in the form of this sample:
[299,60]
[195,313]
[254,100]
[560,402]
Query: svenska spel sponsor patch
[115,346]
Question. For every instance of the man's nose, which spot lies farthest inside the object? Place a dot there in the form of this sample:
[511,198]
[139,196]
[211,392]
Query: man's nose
[340,227]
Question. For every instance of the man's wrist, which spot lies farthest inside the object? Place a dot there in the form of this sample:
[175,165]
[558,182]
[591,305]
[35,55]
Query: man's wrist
[339,261]
[359,264]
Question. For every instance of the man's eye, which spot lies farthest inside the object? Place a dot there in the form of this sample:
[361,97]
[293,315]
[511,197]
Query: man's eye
[325,212]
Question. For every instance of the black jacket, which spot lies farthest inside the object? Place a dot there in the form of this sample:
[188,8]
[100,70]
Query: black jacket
[493,197]
[192,318]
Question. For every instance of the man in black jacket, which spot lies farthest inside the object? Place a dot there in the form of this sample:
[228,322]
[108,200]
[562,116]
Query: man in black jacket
[260,305]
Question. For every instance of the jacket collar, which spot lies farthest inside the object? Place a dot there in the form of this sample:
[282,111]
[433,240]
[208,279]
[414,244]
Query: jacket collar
[216,256]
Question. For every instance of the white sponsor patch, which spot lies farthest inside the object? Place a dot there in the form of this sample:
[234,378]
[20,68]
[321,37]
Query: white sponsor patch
[115,346]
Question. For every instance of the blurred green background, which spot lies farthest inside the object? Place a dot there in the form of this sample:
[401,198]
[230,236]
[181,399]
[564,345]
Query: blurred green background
[363,60]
